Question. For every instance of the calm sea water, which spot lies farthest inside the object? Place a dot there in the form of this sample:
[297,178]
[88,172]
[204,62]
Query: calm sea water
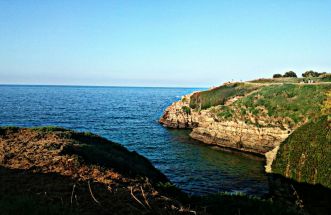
[129,115]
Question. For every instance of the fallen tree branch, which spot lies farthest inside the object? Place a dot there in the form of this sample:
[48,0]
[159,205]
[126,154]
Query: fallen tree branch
[89,186]
[72,193]
[142,192]
[135,198]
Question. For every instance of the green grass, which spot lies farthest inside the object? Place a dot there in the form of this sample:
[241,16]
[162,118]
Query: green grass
[305,155]
[277,80]
[288,103]
[289,80]
[218,96]
[225,112]
[48,129]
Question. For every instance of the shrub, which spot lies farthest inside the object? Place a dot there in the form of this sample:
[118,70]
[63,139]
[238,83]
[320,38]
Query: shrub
[186,109]
[290,74]
[310,73]
[225,112]
[325,77]
[277,76]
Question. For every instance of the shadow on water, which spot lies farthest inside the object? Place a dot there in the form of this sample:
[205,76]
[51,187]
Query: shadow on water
[231,171]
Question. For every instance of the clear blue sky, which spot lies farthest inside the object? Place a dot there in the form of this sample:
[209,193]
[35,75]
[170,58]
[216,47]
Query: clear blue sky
[160,42]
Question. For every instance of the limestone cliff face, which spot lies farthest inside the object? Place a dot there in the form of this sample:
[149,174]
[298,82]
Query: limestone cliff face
[238,135]
[233,134]
[176,117]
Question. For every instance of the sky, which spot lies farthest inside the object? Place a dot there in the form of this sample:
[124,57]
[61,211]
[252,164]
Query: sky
[182,43]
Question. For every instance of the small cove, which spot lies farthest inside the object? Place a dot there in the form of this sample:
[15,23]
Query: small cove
[129,115]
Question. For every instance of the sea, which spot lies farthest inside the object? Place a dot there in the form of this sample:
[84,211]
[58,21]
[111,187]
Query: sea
[129,116]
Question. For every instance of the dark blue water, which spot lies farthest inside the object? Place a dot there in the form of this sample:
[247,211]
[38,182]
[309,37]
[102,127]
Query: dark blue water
[129,116]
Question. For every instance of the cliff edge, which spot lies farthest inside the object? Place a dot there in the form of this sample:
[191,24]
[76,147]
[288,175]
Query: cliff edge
[247,116]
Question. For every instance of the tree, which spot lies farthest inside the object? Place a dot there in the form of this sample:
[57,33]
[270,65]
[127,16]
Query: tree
[290,74]
[277,76]
[310,73]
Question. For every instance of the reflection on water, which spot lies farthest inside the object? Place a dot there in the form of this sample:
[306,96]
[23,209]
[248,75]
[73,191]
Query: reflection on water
[129,115]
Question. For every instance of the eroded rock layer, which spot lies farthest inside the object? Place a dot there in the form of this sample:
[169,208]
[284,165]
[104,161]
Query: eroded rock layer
[234,134]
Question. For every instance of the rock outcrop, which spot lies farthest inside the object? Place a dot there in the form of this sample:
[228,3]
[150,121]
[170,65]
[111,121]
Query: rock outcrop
[175,115]
[238,135]
[234,134]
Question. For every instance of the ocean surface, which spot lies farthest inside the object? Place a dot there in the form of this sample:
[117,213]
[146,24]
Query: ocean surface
[129,115]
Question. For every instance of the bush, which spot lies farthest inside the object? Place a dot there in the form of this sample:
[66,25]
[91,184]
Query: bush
[290,74]
[186,109]
[277,76]
[310,73]
[325,77]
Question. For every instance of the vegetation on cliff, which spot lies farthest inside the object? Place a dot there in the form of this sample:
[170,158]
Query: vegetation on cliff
[278,78]
[259,116]
[277,105]
[219,95]
[286,104]
[305,155]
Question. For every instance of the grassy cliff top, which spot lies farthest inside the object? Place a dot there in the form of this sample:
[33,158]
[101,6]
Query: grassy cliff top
[270,103]
[219,95]
[322,79]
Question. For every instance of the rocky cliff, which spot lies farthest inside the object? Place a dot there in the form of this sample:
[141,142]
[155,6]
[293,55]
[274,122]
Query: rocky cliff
[233,134]
[248,117]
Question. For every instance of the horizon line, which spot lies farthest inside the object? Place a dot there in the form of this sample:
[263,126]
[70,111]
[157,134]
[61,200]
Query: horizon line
[79,85]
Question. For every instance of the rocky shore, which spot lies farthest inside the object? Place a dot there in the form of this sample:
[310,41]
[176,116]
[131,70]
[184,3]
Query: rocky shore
[246,116]
[233,134]
[279,122]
